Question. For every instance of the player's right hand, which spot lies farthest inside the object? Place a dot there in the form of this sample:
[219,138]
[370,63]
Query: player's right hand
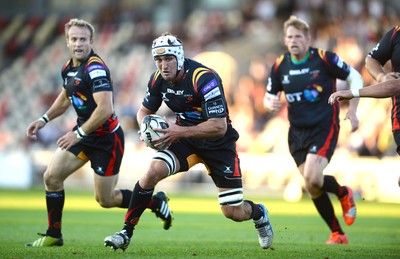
[33,129]
[272,102]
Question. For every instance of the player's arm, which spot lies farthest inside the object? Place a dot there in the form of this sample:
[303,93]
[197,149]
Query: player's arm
[272,97]
[384,89]
[59,106]
[103,111]
[381,90]
[355,81]
[375,69]
[142,112]
[211,128]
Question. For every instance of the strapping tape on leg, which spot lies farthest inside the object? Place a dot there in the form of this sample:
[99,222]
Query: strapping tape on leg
[233,197]
[168,158]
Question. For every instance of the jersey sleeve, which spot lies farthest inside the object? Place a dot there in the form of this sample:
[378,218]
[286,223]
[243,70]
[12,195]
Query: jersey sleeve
[210,88]
[382,51]
[98,75]
[337,67]
[274,83]
[153,97]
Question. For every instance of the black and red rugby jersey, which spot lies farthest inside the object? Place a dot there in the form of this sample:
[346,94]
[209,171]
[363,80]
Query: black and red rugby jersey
[308,85]
[82,82]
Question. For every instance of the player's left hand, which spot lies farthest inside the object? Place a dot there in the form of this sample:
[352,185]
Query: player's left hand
[68,140]
[353,120]
[340,96]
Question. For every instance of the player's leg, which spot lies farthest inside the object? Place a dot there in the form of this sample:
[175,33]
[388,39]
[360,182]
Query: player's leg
[313,176]
[235,208]
[345,196]
[60,167]
[224,169]
[108,197]
[163,164]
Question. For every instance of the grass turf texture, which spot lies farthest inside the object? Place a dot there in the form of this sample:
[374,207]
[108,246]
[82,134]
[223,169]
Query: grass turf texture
[198,231]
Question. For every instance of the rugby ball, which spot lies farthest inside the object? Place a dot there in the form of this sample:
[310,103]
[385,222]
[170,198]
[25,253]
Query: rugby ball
[147,133]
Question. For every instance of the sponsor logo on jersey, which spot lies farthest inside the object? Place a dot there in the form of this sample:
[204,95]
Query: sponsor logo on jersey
[177,92]
[210,85]
[95,67]
[312,93]
[71,74]
[215,108]
[97,73]
[296,72]
[213,93]
[101,83]
[78,100]
[293,97]
[339,62]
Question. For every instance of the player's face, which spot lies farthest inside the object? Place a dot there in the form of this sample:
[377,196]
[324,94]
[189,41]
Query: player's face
[79,44]
[297,42]
[167,65]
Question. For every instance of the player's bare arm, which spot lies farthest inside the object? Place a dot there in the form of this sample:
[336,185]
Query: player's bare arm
[58,108]
[378,72]
[381,90]
[143,111]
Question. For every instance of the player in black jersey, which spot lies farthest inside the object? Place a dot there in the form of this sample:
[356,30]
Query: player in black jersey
[383,64]
[202,133]
[97,137]
[308,76]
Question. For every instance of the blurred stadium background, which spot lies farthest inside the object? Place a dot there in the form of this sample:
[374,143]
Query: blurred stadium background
[238,38]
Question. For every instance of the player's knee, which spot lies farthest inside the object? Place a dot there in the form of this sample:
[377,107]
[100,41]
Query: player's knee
[105,203]
[312,183]
[51,181]
[156,172]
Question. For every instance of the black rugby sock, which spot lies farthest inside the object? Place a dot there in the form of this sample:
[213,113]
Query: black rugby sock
[139,201]
[325,209]
[256,212]
[126,198]
[331,185]
[55,205]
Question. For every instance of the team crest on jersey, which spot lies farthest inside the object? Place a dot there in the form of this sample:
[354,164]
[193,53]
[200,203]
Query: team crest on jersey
[312,93]
[77,81]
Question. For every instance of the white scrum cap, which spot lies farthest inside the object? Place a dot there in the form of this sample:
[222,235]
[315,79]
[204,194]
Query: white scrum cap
[168,45]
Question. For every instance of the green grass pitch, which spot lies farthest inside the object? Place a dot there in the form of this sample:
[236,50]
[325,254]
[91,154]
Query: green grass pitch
[199,230]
